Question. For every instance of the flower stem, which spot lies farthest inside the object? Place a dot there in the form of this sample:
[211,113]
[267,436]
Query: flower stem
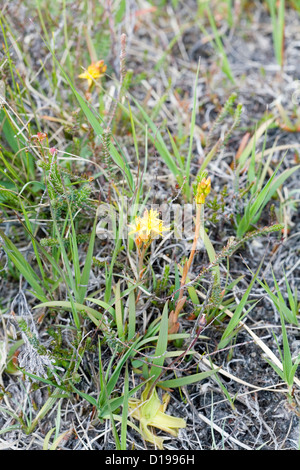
[199,227]
[141,259]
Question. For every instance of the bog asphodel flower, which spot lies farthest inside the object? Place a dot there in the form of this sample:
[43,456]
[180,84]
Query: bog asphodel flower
[94,71]
[147,227]
[203,190]
[150,412]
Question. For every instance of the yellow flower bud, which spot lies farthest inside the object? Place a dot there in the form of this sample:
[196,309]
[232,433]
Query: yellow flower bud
[203,189]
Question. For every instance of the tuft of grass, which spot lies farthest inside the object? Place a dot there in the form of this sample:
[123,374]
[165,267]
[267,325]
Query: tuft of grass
[289,365]
[218,44]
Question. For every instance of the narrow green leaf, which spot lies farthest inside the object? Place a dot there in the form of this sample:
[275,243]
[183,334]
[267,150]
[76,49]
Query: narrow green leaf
[87,265]
[189,379]
[158,141]
[23,267]
[191,132]
[119,312]
[118,368]
[124,411]
[161,346]
[238,314]
[225,63]
[131,315]
[93,314]
[47,439]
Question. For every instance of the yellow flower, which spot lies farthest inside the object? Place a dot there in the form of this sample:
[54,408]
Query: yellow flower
[203,189]
[151,412]
[94,71]
[148,226]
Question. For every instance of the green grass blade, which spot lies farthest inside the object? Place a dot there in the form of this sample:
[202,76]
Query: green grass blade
[191,132]
[158,141]
[87,265]
[118,368]
[125,411]
[238,314]
[161,346]
[219,45]
[255,138]
[93,314]
[119,312]
[131,316]
[23,267]
[190,379]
